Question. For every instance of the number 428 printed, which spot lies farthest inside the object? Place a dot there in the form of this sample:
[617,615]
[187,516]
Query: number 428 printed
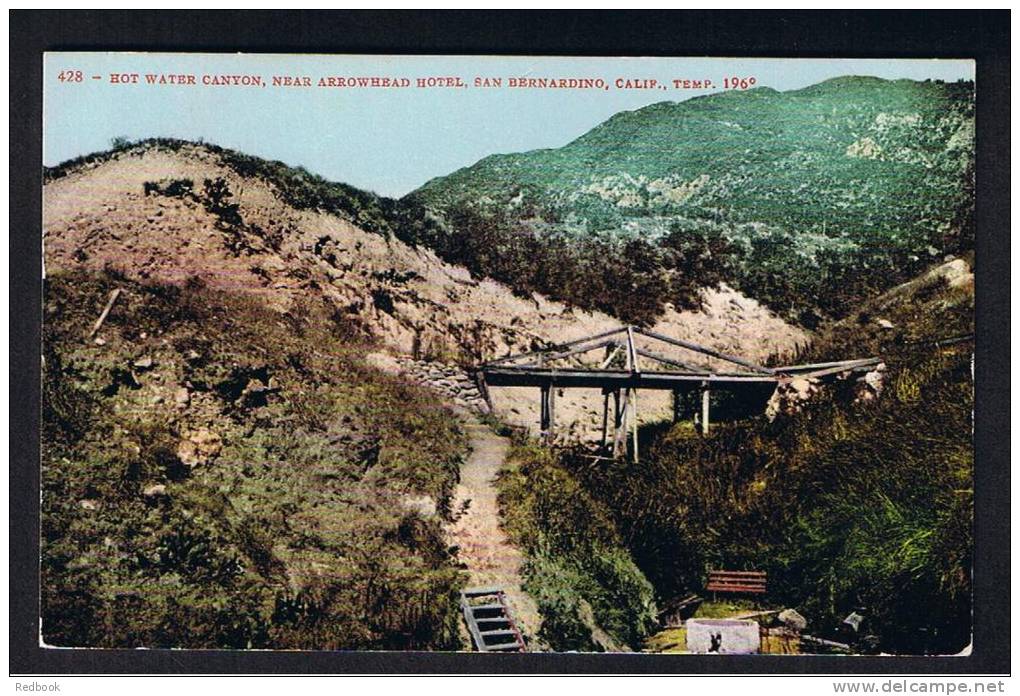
[70,76]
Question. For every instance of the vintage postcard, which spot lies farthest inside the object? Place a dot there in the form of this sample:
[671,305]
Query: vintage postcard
[507,354]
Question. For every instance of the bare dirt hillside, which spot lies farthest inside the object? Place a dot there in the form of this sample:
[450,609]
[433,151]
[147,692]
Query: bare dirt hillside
[180,215]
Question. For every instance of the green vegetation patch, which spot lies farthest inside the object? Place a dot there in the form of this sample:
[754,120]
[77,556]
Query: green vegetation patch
[848,506]
[219,475]
[589,592]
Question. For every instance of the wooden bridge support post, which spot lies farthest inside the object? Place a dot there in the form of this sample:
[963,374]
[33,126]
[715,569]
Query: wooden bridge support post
[543,417]
[547,424]
[619,416]
[705,399]
[605,417]
[552,412]
[611,351]
[678,406]
[634,422]
[483,389]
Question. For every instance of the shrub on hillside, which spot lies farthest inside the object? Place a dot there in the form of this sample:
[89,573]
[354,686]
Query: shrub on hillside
[846,506]
[292,535]
[575,556]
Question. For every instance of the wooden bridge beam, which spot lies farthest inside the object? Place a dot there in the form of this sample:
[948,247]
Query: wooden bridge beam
[558,346]
[618,379]
[669,361]
[706,351]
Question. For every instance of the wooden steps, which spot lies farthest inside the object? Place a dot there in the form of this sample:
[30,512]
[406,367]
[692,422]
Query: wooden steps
[489,620]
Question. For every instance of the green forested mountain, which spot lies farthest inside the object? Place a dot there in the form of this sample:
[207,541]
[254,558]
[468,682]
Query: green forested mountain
[854,183]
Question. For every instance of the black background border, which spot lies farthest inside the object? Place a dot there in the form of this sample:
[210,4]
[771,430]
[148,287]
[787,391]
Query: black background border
[981,35]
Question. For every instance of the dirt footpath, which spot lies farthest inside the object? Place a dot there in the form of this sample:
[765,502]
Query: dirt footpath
[490,558]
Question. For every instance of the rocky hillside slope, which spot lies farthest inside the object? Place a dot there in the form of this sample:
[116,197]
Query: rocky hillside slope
[176,212]
[218,475]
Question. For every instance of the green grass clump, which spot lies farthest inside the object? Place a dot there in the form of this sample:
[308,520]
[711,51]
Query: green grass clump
[577,569]
[293,534]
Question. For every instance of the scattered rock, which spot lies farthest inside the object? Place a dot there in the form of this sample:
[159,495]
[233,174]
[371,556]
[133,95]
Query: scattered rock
[792,619]
[182,397]
[155,491]
[957,273]
[199,447]
[88,504]
[100,341]
[885,323]
[854,621]
[143,364]
[424,505]
[803,386]
[869,387]
[256,393]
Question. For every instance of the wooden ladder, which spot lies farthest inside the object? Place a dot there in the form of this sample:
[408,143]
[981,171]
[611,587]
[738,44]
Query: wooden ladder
[489,620]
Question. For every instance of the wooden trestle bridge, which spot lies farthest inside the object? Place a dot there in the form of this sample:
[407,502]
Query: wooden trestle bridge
[644,368]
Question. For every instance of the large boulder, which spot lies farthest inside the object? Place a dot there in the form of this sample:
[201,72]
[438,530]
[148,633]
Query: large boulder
[790,396]
[144,364]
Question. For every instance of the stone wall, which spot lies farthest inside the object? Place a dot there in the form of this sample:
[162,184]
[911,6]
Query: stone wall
[452,382]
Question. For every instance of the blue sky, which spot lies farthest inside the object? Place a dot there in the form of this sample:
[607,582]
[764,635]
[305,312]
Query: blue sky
[390,140]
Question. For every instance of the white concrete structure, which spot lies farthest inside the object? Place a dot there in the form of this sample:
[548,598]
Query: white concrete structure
[723,636]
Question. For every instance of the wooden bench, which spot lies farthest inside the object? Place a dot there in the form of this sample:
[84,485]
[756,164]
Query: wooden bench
[737,581]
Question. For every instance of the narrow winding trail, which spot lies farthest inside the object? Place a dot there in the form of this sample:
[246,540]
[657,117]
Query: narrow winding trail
[489,556]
